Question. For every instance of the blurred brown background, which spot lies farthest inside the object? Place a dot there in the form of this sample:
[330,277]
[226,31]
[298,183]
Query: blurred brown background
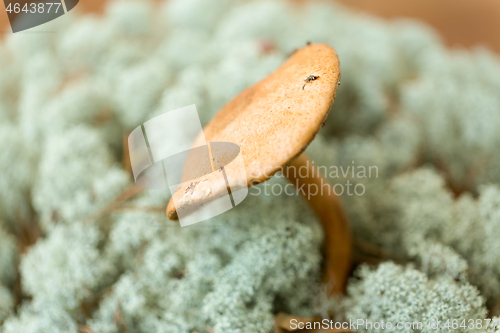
[462,23]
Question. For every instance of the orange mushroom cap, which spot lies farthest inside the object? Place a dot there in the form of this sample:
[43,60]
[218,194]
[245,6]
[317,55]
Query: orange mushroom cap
[272,122]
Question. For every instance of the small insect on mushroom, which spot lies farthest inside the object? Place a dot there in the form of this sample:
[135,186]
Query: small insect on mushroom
[309,79]
[191,187]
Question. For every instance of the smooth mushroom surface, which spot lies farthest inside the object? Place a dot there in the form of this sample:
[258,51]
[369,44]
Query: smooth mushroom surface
[272,122]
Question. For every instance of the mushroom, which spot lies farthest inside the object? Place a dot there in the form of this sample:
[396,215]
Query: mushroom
[273,122]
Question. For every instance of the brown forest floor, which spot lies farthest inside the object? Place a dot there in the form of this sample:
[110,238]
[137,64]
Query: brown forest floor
[462,23]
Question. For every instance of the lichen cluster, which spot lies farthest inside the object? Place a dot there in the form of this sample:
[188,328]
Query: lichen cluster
[426,229]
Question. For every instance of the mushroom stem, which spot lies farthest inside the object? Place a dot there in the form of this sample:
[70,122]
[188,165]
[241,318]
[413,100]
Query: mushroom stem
[328,208]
